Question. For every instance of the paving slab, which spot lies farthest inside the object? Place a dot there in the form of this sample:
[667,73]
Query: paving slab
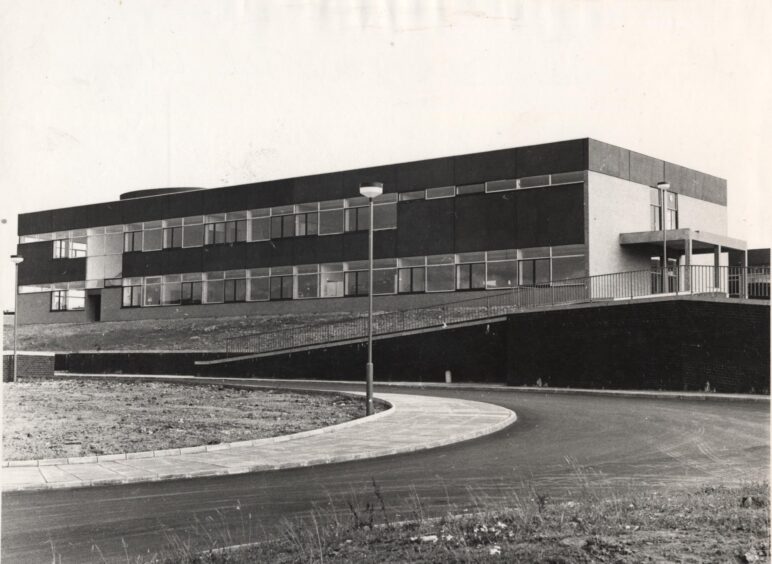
[412,423]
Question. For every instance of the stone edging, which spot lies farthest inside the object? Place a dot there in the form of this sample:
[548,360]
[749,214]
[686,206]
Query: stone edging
[204,448]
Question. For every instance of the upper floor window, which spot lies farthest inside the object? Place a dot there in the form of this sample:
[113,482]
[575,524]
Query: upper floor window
[70,248]
[655,209]
[172,237]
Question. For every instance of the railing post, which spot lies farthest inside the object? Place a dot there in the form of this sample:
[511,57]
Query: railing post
[630,275]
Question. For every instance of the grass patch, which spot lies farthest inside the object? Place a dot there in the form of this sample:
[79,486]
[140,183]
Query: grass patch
[710,524]
[57,418]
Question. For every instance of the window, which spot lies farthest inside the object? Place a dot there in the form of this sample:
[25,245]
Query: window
[236,290]
[59,300]
[411,277]
[534,272]
[357,219]
[655,210]
[567,177]
[172,236]
[671,213]
[258,285]
[281,284]
[470,276]
[152,291]
[357,283]
[132,296]
[470,189]
[152,239]
[331,284]
[306,224]
[226,232]
[442,192]
[533,181]
[191,293]
[440,270]
[259,225]
[132,241]
[385,216]
[331,217]
[76,299]
[193,231]
[61,250]
[410,196]
[567,269]
[171,290]
[282,226]
[384,276]
[500,185]
[307,281]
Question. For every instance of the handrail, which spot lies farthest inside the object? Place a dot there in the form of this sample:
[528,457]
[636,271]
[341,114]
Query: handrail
[741,282]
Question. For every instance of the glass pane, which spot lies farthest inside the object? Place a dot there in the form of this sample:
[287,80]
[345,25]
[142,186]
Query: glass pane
[332,284]
[419,279]
[351,219]
[331,204]
[76,299]
[331,222]
[442,192]
[172,222]
[470,257]
[655,218]
[153,295]
[363,218]
[241,231]
[193,220]
[276,227]
[363,283]
[230,232]
[78,247]
[308,286]
[568,177]
[532,181]
[500,185]
[126,301]
[236,215]
[502,274]
[351,283]
[385,216]
[276,288]
[412,261]
[286,287]
[152,240]
[542,271]
[308,207]
[171,293]
[568,268]
[282,210]
[258,272]
[526,272]
[405,285]
[535,252]
[383,281]
[258,289]
[440,279]
[568,250]
[416,195]
[440,259]
[653,196]
[214,291]
[470,189]
[192,235]
[462,277]
[113,266]
[478,276]
[357,201]
[300,224]
[281,270]
[113,243]
[260,229]
[288,225]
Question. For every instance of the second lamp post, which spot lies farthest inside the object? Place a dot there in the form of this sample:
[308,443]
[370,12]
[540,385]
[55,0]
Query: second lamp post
[370,190]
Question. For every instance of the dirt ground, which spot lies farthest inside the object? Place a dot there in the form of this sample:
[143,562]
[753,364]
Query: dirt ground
[56,418]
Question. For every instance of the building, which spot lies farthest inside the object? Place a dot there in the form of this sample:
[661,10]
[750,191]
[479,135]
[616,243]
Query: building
[539,215]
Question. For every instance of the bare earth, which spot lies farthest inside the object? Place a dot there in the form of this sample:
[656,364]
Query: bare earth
[56,418]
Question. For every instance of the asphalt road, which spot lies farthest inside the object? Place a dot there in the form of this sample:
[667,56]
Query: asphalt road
[559,442]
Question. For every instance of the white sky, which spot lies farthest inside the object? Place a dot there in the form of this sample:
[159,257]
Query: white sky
[101,97]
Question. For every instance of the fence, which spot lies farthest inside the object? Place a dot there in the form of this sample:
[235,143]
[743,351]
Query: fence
[728,281]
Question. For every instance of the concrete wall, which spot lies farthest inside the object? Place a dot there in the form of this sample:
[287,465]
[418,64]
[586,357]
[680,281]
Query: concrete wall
[36,308]
[615,206]
[701,215]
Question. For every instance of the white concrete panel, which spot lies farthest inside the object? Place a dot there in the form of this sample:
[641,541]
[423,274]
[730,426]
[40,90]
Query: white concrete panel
[700,215]
[615,206]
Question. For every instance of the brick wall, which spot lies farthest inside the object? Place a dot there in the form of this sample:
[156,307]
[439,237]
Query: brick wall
[30,366]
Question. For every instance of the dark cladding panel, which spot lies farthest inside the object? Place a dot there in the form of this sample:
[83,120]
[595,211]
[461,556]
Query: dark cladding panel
[172,261]
[564,156]
[683,180]
[142,209]
[258,255]
[183,205]
[385,244]
[563,208]
[69,218]
[385,174]
[224,257]
[329,248]
[219,200]
[646,170]
[425,174]
[318,188]
[485,222]
[104,214]
[355,245]
[479,167]
[39,268]
[169,261]
[282,252]
[425,227]
[529,225]
[714,189]
[271,193]
[609,159]
[36,222]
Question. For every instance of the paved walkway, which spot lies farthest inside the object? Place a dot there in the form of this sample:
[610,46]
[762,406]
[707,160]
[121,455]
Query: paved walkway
[413,423]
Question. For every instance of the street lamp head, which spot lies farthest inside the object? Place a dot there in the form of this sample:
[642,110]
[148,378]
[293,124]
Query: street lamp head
[16,259]
[663,185]
[371,189]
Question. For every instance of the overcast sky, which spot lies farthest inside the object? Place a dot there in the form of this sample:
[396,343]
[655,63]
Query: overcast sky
[102,97]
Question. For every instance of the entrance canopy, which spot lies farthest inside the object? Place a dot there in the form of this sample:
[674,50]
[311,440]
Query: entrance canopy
[686,241]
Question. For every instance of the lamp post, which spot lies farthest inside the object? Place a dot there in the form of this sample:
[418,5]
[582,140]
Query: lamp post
[16,260]
[663,187]
[370,190]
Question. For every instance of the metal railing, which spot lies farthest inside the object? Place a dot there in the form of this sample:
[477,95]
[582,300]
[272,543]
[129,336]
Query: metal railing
[728,281]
